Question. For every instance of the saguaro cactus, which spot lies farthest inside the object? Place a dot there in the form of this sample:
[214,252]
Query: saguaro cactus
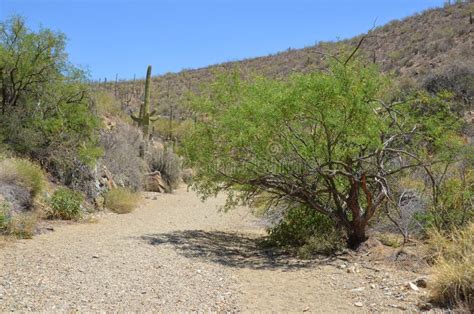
[145,116]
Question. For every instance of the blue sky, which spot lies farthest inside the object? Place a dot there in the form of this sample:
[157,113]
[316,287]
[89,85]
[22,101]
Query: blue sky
[124,36]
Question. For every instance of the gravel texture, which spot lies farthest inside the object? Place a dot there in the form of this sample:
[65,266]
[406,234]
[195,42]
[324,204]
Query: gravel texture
[175,253]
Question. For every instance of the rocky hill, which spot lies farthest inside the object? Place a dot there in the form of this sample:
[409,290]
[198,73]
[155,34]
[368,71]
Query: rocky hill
[436,42]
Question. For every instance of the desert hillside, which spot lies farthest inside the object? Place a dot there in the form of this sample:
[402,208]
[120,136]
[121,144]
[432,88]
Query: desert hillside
[437,41]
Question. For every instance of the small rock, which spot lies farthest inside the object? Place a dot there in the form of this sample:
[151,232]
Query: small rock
[342,266]
[306,309]
[359,304]
[95,256]
[50,228]
[358,289]
[412,286]
[395,306]
[373,286]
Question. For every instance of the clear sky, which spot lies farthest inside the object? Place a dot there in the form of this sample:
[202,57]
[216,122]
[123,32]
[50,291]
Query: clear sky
[124,36]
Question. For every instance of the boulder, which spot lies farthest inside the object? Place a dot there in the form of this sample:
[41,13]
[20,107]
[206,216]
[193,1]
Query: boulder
[155,183]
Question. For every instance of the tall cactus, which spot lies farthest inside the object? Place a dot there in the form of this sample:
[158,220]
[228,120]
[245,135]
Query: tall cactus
[145,116]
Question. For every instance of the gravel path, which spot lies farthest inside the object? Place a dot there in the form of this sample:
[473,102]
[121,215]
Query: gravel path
[175,253]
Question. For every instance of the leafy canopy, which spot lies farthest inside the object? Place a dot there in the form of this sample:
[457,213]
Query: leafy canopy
[326,140]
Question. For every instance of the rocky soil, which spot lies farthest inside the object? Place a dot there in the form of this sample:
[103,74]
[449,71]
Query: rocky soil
[175,253]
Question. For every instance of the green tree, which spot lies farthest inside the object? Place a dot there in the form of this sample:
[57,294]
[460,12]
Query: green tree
[45,108]
[325,140]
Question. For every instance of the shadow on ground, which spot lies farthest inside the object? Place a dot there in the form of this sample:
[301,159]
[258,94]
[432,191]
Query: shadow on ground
[227,248]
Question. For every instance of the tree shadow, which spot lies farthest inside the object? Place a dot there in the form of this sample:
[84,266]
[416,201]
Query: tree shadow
[229,249]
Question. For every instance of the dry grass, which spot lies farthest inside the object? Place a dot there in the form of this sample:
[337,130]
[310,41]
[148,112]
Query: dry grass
[22,225]
[121,200]
[24,173]
[453,271]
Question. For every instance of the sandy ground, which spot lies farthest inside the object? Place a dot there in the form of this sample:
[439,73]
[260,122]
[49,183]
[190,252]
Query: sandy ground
[176,253]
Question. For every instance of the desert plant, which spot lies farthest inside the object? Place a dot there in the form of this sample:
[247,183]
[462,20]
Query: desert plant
[305,232]
[4,209]
[48,118]
[168,163]
[65,204]
[121,200]
[453,271]
[22,172]
[121,146]
[22,225]
[144,116]
[323,139]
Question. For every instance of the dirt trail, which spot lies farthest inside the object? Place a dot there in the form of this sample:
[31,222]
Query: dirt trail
[175,253]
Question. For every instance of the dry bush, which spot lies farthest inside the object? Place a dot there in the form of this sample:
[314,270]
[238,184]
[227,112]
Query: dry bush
[21,225]
[167,163]
[121,200]
[453,270]
[24,173]
[122,145]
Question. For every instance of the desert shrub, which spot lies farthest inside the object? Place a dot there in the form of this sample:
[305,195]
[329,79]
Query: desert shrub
[457,78]
[22,172]
[106,104]
[452,207]
[121,200]
[453,271]
[47,118]
[22,225]
[306,232]
[174,130]
[65,204]
[168,164]
[3,216]
[121,145]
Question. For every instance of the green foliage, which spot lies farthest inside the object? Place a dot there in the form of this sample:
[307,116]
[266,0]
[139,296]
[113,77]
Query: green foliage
[453,207]
[121,200]
[45,107]
[306,231]
[65,204]
[145,116]
[323,139]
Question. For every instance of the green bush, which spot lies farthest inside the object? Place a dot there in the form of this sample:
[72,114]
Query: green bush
[121,200]
[66,204]
[306,232]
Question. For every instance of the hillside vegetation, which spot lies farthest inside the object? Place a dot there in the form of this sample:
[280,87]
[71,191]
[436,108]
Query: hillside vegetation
[434,42]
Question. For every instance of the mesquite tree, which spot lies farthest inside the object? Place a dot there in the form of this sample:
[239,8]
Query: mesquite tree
[326,140]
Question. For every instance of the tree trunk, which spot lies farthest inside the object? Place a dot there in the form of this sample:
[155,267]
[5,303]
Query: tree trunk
[356,235]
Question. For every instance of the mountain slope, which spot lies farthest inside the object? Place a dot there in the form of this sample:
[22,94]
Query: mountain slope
[434,41]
